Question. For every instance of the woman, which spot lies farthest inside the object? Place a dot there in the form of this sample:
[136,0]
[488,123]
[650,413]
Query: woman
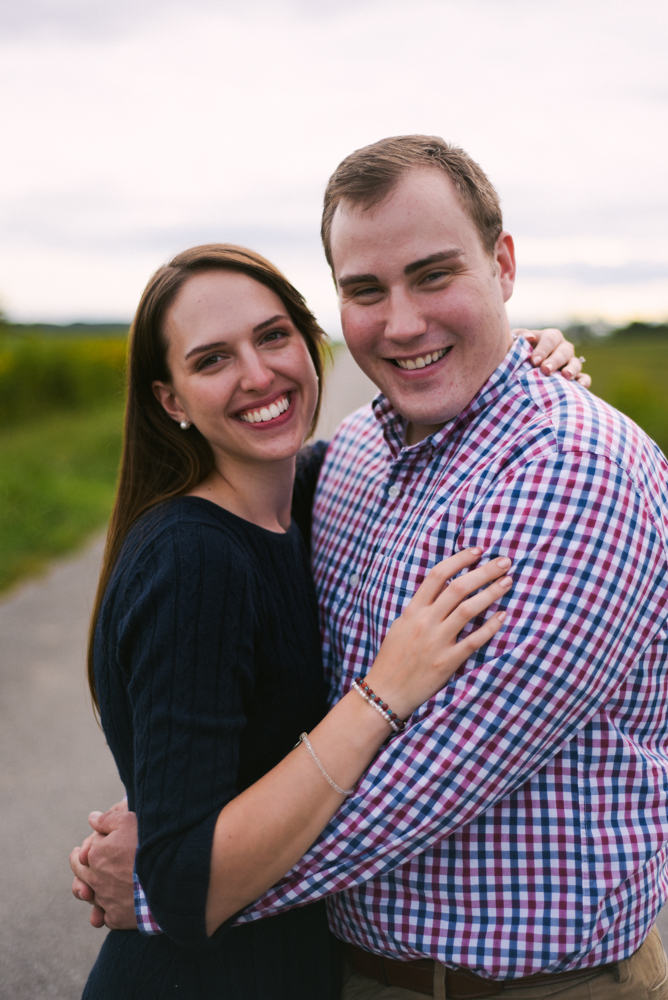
[204,656]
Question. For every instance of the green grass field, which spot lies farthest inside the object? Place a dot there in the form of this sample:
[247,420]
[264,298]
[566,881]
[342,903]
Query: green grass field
[632,375]
[57,472]
[57,479]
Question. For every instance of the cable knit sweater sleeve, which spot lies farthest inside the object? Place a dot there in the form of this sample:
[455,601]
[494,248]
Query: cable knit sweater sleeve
[185,627]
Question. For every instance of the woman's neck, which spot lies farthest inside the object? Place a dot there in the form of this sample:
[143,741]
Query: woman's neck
[259,492]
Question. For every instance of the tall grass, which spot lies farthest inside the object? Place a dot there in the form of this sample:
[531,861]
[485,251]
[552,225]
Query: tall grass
[57,484]
[61,415]
[632,375]
[39,376]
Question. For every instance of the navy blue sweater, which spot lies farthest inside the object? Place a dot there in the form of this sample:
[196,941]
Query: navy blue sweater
[207,662]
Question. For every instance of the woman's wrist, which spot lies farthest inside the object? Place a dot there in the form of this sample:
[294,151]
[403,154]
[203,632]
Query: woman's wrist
[375,702]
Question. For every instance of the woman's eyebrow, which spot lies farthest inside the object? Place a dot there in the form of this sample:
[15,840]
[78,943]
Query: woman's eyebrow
[223,343]
[268,322]
[205,347]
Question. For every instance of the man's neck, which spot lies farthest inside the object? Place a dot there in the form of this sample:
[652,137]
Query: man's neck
[418,432]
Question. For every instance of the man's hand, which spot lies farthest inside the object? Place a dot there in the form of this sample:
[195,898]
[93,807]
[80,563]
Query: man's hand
[552,353]
[103,868]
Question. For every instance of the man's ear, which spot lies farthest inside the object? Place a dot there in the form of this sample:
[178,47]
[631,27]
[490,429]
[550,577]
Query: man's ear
[165,395]
[504,260]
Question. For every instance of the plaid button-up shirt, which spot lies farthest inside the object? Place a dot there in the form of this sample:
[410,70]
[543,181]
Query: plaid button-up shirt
[521,822]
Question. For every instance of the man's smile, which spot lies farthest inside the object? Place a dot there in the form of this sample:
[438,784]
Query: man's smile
[421,360]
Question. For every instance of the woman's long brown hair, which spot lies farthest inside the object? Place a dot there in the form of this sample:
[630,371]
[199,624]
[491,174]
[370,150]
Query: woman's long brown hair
[159,460]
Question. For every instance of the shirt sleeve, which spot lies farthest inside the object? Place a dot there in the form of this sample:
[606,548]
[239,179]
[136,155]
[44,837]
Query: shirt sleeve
[186,639]
[589,593]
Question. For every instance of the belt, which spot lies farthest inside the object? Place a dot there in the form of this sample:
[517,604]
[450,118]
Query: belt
[460,984]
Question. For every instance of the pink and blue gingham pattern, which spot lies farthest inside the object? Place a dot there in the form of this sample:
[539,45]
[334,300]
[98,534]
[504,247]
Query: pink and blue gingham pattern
[145,920]
[521,822]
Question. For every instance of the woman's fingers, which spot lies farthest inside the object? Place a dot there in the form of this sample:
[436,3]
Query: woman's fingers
[458,590]
[466,647]
[466,610]
[572,369]
[560,356]
[437,577]
[584,380]
[550,347]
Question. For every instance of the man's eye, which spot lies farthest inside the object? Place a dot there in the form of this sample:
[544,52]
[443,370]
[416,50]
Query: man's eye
[435,276]
[367,291]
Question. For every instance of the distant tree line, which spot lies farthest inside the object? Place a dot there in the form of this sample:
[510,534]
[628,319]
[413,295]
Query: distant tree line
[87,330]
[583,332]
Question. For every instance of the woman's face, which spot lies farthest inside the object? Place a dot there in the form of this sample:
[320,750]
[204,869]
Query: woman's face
[241,371]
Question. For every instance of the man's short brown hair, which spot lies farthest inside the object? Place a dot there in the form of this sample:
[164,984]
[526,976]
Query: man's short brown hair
[369,174]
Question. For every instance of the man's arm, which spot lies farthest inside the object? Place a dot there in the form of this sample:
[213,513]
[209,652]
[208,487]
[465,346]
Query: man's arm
[589,592]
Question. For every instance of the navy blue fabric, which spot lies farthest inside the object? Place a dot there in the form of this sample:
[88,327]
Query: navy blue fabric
[207,659]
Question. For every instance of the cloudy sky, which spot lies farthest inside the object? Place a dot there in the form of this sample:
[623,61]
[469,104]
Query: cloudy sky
[131,129]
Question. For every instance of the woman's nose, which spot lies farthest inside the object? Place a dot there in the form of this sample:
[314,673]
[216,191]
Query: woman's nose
[255,375]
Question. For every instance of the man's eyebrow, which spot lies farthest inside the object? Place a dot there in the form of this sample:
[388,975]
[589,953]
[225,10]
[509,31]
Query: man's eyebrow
[223,343]
[433,258]
[354,279]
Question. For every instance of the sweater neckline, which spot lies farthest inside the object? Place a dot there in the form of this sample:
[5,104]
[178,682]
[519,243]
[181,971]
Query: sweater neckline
[227,515]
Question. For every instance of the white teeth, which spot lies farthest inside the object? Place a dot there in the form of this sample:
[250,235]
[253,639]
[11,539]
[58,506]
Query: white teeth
[421,362]
[267,412]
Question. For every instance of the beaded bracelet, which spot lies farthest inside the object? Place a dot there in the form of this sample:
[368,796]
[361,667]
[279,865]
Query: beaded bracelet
[376,702]
[307,743]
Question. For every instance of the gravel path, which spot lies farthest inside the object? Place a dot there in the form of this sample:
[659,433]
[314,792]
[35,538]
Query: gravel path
[56,766]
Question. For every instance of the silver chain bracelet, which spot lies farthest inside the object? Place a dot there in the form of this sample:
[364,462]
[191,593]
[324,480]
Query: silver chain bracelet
[307,743]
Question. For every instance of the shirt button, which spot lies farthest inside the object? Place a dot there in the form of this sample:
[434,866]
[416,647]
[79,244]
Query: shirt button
[353,579]
[394,491]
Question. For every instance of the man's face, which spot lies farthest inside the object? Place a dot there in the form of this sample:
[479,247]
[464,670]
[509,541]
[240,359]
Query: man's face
[422,303]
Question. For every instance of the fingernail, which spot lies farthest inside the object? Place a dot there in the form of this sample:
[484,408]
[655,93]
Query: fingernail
[501,615]
[80,896]
[538,358]
[475,551]
[506,582]
[567,375]
[94,815]
[548,366]
[502,563]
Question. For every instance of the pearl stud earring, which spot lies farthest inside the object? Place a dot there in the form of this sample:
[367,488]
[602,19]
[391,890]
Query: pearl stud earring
[184,425]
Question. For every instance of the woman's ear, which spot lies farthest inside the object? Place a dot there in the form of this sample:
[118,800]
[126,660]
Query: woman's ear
[168,400]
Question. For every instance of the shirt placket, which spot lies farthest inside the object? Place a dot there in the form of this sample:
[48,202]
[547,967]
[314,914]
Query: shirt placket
[357,649]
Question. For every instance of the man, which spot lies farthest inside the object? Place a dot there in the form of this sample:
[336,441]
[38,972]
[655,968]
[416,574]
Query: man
[514,841]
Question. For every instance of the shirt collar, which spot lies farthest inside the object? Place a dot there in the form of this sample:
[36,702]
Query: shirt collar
[393,424]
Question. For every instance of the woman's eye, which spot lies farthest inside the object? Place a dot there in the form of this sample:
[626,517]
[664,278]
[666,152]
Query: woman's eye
[210,360]
[273,336]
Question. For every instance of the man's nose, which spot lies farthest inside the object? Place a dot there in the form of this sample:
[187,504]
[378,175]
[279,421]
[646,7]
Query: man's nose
[255,375]
[403,320]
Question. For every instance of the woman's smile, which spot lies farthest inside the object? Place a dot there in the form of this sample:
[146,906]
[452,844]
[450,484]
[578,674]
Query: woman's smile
[268,411]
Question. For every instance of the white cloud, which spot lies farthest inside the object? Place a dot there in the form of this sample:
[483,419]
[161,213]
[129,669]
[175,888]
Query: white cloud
[132,131]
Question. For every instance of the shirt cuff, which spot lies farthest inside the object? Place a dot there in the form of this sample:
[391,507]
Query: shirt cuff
[145,920]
